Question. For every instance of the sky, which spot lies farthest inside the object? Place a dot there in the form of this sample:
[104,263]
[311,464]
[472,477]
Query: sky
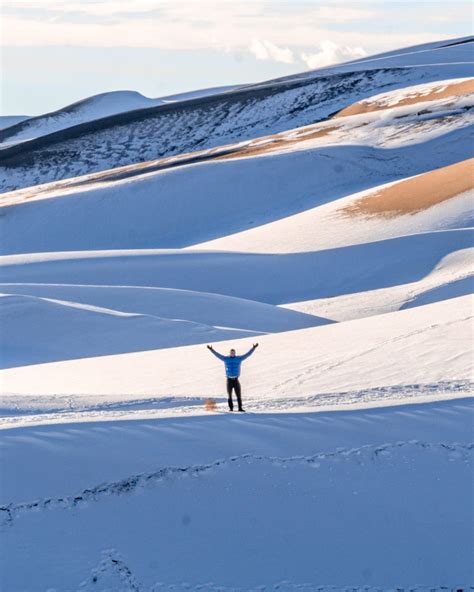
[56,52]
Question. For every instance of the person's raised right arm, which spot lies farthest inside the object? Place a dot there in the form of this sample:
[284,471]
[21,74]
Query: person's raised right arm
[217,354]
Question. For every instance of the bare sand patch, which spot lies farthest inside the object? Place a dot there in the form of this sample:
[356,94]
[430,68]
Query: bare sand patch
[418,193]
[275,142]
[439,91]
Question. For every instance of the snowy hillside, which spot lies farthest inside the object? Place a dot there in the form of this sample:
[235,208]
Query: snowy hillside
[9,120]
[327,217]
[289,505]
[86,110]
[91,109]
[207,122]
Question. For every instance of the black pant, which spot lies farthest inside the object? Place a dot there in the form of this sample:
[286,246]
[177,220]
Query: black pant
[234,384]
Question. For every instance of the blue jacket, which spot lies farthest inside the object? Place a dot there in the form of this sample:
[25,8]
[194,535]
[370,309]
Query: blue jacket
[232,363]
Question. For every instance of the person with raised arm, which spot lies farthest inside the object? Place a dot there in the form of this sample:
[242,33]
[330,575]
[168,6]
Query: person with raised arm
[232,370]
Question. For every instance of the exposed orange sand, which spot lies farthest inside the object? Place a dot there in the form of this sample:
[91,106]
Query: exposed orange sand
[277,142]
[458,89]
[418,193]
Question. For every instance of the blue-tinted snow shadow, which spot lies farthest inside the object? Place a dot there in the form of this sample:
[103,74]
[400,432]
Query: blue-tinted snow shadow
[269,278]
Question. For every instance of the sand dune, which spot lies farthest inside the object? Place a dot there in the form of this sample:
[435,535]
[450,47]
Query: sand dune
[275,142]
[261,145]
[252,216]
[411,96]
[406,347]
[372,129]
[418,193]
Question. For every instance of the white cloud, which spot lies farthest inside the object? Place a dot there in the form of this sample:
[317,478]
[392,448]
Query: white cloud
[329,12]
[331,53]
[340,14]
[272,31]
[266,50]
[442,18]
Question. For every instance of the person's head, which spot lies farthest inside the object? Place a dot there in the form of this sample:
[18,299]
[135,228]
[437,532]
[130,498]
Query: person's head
[232,353]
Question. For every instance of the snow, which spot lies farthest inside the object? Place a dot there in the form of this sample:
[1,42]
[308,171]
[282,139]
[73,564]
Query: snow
[352,468]
[8,120]
[420,91]
[453,276]
[193,204]
[196,94]
[449,51]
[233,116]
[60,328]
[292,370]
[64,329]
[174,510]
[90,109]
[174,514]
[271,278]
[327,226]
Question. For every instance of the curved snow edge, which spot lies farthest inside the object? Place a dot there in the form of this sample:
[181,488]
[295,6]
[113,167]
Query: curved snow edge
[367,453]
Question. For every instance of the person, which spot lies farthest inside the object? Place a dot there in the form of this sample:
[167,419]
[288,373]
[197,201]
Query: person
[232,369]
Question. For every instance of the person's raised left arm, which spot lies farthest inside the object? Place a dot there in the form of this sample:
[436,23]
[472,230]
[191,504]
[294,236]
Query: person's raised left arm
[250,352]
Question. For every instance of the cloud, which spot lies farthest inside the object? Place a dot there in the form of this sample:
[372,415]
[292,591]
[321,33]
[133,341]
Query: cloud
[341,14]
[266,50]
[443,18]
[329,11]
[272,31]
[331,53]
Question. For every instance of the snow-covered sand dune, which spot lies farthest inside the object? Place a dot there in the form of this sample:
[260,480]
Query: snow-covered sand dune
[273,278]
[401,126]
[453,276]
[436,200]
[67,322]
[413,95]
[293,370]
[326,216]
[195,204]
[175,514]
[198,307]
[288,499]
[63,330]
[90,109]
[9,120]
[138,136]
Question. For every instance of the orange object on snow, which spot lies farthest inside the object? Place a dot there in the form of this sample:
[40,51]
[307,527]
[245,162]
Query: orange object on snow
[210,405]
